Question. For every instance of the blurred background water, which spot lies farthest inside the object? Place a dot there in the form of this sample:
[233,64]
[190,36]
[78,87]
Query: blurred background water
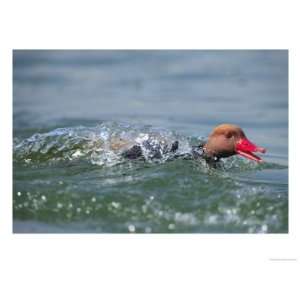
[181,94]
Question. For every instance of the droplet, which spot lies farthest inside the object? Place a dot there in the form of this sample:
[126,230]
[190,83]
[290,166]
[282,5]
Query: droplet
[115,204]
[77,153]
[78,209]
[93,199]
[264,228]
[131,228]
[160,213]
[19,194]
[171,226]
[212,219]
[59,205]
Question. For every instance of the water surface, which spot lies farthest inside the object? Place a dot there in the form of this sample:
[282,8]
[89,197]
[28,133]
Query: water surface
[68,105]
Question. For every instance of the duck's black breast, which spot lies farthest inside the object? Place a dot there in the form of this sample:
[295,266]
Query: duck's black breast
[133,153]
[153,150]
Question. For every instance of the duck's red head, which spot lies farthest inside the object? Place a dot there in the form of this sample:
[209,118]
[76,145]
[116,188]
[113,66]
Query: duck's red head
[227,140]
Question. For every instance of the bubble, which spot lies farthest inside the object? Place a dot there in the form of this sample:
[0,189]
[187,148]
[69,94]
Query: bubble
[77,153]
[213,219]
[115,205]
[93,199]
[264,228]
[160,213]
[44,198]
[131,228]
[35,203]
[185,218]
[78,209]
[231,215]
[19,194]
[59,205]
[171,226]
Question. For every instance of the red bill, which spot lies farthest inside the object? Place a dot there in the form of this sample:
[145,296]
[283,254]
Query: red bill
[245,148]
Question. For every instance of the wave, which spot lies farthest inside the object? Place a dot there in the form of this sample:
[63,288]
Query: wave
[105,144]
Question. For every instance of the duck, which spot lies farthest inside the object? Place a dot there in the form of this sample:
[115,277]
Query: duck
[225,140]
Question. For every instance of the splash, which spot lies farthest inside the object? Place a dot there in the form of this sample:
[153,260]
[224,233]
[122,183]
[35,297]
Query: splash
[101,145]
[106,143]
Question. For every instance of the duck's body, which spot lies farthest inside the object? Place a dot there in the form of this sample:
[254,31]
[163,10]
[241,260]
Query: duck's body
[224,141]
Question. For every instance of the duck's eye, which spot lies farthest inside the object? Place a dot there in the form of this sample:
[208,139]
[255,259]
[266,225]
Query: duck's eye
[228,135]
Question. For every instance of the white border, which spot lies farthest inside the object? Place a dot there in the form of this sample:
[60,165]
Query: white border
[148,266]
